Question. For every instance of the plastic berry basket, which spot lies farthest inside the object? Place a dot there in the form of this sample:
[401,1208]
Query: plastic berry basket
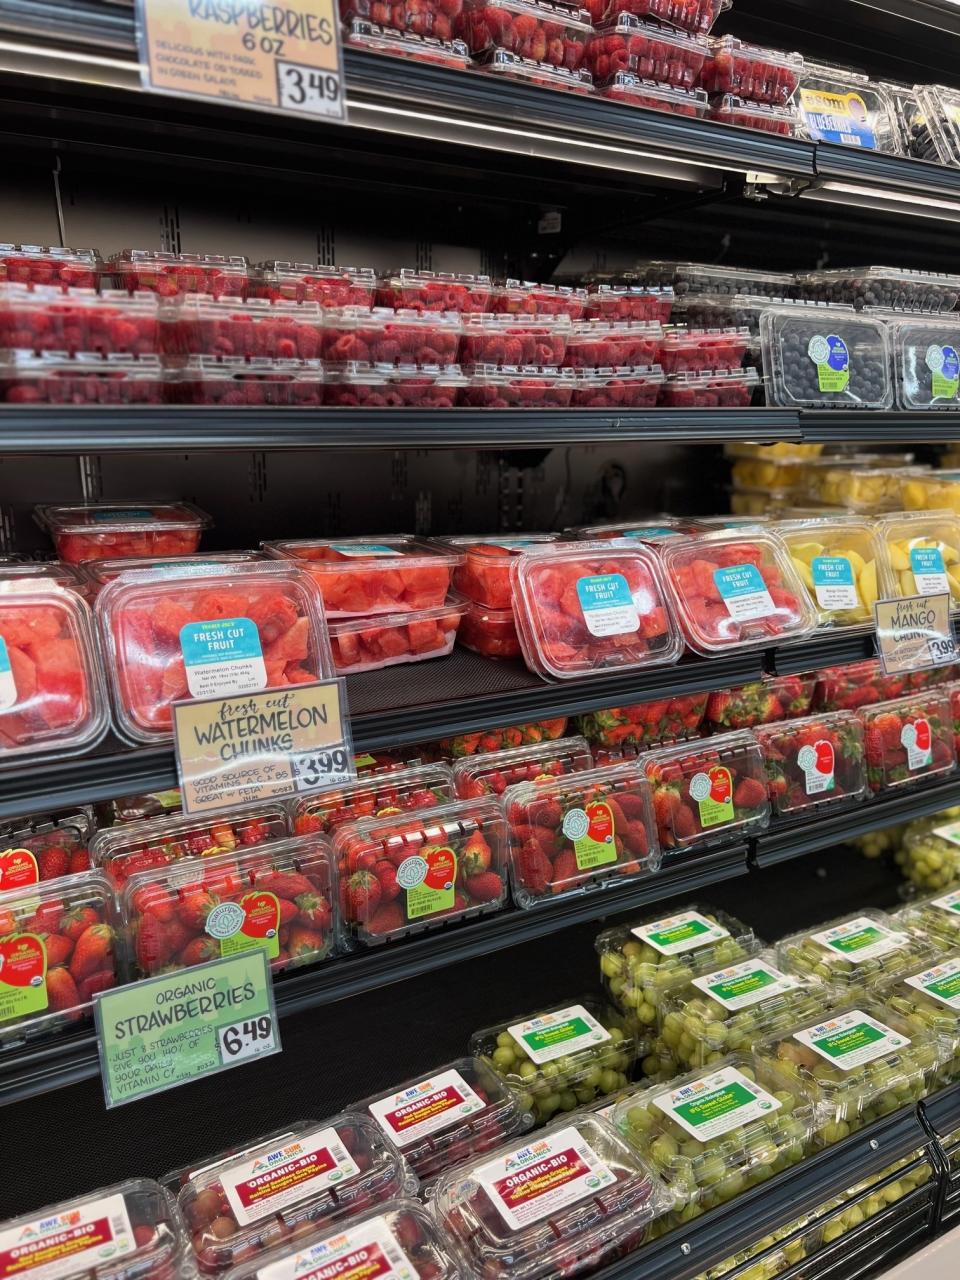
[751,71]
[892,288]
[240,381]
[492,632]
[171,273]
[500,62]
[46,318]
[103,530]
[644,724]
[433,291]
[197,324]
[854,953]
[731,109]
[700,277]
[483,574]
[538,29]
[204,633]
[317,1173]
[920,554]
[392,386]
[522,297]
[814,763]
[653,52]
[492,772]
[838,561]
[405,874]
[635,91]
[735,590]
[517,387]
[53,377]
[435,19]
[381,335]
[819,357]
[908,740]
[626,387]
[730,389]
[386,639]
[835,104]
[629,301]
[760,702]
[397,791]
[34,264]
[591,608]
[504,339]
[406,44]
[698,350]
[398,573]
[331,286]
[926,356]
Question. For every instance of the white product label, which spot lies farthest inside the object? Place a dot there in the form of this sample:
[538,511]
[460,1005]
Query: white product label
[942,983]
[929,570]
[817,762]
[368,1252]
[746,984]
[744,592]
[950,903]
[543,1177]
[607,606]
[715,1104]
[72,1241]
[833,582]
[687,931]
[432,1104]
[554,1035]
[851,1040]
[950,832]
[223,656]
[860,939]
[8,686]
[918,740]
[361,550]
[274,1179]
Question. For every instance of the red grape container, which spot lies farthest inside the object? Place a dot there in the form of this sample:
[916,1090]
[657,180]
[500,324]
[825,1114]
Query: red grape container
[727,388]
[513,340]
[708,790]
[392,386]
[644,724]
[572,1199]
[653,52]
[491,386]
[483,574]
[629,301]
[596,344]
[171,273]
[433,291]
[625,387]
[752,72]
[503,63]
[197,325]
[814,763]
[405,44]
[129,1231]
[381,335]
[592,607]
[735,590]
[206,633]
[556,33]
[378,795]
[97,573]
[520,297]
[386,639]
[237,381]
[695,350]
[490,773]
[104,530]
[45,318]
[492,632]
[53,377]
[290,1185]
[434,18]
[753,115]
[908,739]
[331,286]
[633,89]
[688,15]
[397,573]
[35,264]
[760,702]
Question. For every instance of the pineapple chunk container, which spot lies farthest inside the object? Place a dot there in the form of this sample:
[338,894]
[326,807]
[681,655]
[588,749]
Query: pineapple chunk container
[836,559]
[920,554]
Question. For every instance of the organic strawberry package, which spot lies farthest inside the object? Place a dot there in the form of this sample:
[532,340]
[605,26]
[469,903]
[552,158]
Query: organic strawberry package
[36,850]
[279,897]
[290,1185]
[404,874]
[760,702]
[814,763]
[590,608]
[645,723]
[331,286]
[103,530]
[861,684]
[518,735]
[385,639]
[483,575]
[571,1201]
[58,947]
[376,795]
[908,739]
[205,633]
[493,772]
[171,273]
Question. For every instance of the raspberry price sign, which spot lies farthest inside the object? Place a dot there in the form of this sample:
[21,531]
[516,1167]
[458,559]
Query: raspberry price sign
[915,633]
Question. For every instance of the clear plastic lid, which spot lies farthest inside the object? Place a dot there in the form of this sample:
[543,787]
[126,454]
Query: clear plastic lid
[592,607]
[938,123]
[171,273]
[926,355]
[102,530]
[246,381]
[97,573]
[865,489]
[386,639]
[751,71]
[523,297]
[697,15]
[735,590]
[317,1172]
[278,897]
[861,684]
[602,343]
[433,290]
[392,386]
[502,62]
[761,502]
[818,357]
[407,44]
[893,288]
[838,105]
[492,632]
[491,773]
[838,562]
[644,724]
[381,335]
[580,832]
[526,27]
[378,795]
[908,739]
[920,554]
[39,847]
[930,858]
[391,573]
[760,702]
[627,86]
[623,42]
[937,916]
[814,763]
[407,873]
[687,350]
[36,264]
[483,575]
[275,329]
[724,388]
[754,115]
[928,1003]
[47,318]
[718,310]
[652,529]
[331,286]
[203,633]
[630,301]
[854,952]
[765,473]
[130,1231]
[719,279]
[517,387]
[54,377]
[503,339]
[65,575]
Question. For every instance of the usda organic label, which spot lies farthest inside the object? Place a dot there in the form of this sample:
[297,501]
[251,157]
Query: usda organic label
[746,984]
[860,939]
[942,982]
[851,1040]
[686,931]
[554,1035]
[714,1105]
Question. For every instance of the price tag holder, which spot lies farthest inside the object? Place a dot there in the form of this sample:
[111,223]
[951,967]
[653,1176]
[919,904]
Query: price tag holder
[915,633]
[270,56]
[162,1032]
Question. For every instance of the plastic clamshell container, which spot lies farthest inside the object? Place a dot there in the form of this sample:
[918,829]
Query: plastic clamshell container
[761,502]
[866,490]
[402,1239]
[814,764]
[491,773]
[54,377]
[700,15]
[394,792]
[760,702]
[893,288]
[731,109]
[565,1054]
[628,301]
[701,277]
[163,633]
[644,724]
[751,71]
[405,874]
[317,1172]
[483,573]
[920,554]
[242,380]
[785,451]
[928,1003]
[35,264]
[861,684]
[171,273]
[652,529]
[537,29]
[735,590]
[382,335]
[386,639]
[58,940]
[129,1231]
[44,847]
[702,350]
[592,607]
[179,916]
[820,357]
[908,739]
[103,530]
[357,577]
[838,561]
[524,297]
[71,576]
[517,735]
[331,286]
[97,573]
[936,128]
[500,62]
[280,329]
[855,952]
[838,105]
[492,632]
[722,388]
[46,318]
[517,387]
[938,916]
[131,847]
[708,791]
[407,44]
[628,87]
[930,859]
[926,357]
[504,339]
[662,54]
[602,344]
[604,1206]
[580,833]
[448,1117]
[931,491]
[433,290]
[392,386]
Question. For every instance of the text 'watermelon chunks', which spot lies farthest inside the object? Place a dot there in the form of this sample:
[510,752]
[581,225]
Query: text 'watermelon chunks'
[48,670]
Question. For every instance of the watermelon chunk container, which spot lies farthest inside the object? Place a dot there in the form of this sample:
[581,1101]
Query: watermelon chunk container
[104,530]
[172,634]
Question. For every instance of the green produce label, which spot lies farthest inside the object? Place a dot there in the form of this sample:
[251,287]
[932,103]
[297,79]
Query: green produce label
[23,976]
[942,982]
[713,792]
[830,354]
[949,832]
[851,1040]
[860,939]
[557,1034]
[429,878]
[715,1104]
[944,365]
[686,931]
[949,902]
[592,833]
[743,985]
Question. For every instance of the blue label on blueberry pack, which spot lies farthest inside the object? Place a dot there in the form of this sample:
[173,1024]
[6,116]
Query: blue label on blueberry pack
[744,592]
[606,603]
[364,549]
[837,117]
[929,570]
[833,582]
[223,656]
[118,514]
[944,365]
[8,688]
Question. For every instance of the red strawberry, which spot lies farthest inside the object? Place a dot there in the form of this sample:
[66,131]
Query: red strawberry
[152,946]
[314,910]
[632,804]
[52,862]
[749,794]
[475,858]
[199,951]
[285,884]
[59,949]
[194,908]
[888,726]
[565,870]
[101,981]
[156,899]
[77,921]
[873,746]
[306,942]
[51,918]
[486,887]
[93,947]
[546,813]
[363,895]
[636,839]
[666,802]
[79,861]
[61,990]
[387,920]
[685,823]
[386,874]
[288,911]
[534,867]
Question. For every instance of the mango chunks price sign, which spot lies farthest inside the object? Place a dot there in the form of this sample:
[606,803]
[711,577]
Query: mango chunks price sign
[915,633]
[276,57]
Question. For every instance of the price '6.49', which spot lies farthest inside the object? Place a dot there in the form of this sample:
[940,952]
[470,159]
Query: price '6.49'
[247,1039]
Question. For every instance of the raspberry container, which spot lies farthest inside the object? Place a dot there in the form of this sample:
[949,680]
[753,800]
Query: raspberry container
[508,340]
[39,265]
[377,795]
[735,590]
[820,357]
[596,344]
[892,288]
[397,573]
[760,702]
[433,291]
[53,377]
[591,608]
[206,633]
[653,52]
[331,286]
[406,44]
[483,574]
[688,15]
[708,791]
[701,277]
[132,847]
[517,387]
[630,88]
[197,324]
[367,644]
[317,1172]
[171,273]
[381,335]
[936,917]
[908,740]
[513,1215]
[754,115]
[751,71]
[238,381]
[699,350]
[46,318]
[104,530]
[856,952]
[125,1232]
[626,301]
[436,18]
[813,764]
[58,946]
[644,724]
[277,897]
[725,389]
[926,357]
[538,29]
[920,554]
[491,773]
[392,386]
[583,832]
[97,573]
[838,105]
[403,875]
[521,297]
[468,744]
[927,1004]
[500,62]
[492,632]
[838,561]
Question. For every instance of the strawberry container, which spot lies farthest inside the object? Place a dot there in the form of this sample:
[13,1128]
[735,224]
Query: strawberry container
[735,590]
[381,335]
[630,88]
[543,31]
[278,897]
[483,575]
[662,54]
[35,850]
[861,684]
[97,573]
[518,735]
[238,381]
[46,318]
[699,350]
[435,18]
[760,702]
[522,298]
[367,644]
[171,273]
[129,1231]
[132,847]
[377,795]
[813,764]
[433,291]
[517,387]
[53,377]
[511,340]
[491,773]
[644,724]
[708,791]
[751,71]
[492,632]
[501,62]
[920,554]
[570,1201]
[592,607]
[626,387]
[890,288]
[838,105]
[392,386]
[361,576]
[195,324]
[406,44]
[731,109]
[838,560]
[104,530]
[596,344]
[926,355]
[725,389]
[40,265]
[583,832]
[331,286]
[854,953]
[908,740]
[58,945]
[317,1172]
[700,277]
[207,633]
[401,875]
[629,301]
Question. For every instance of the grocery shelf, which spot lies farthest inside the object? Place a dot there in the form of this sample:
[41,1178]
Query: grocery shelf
[827,426]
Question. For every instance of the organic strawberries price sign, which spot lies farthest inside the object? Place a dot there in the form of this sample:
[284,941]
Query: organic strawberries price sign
[277,57]
[914,633]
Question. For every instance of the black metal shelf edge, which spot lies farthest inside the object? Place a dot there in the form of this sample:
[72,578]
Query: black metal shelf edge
[941,1111]
[891,426]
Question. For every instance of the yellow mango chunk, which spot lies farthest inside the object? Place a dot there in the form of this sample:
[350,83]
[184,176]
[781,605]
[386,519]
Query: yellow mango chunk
[899,557]
[803,569]
[855,558]
[867,583]
[908,583]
